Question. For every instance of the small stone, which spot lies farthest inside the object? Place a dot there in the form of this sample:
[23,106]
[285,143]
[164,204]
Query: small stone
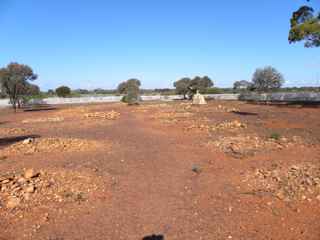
[30,189]
[28,141]
[21,180]
[5,181]
[30,173]
[13,202]
[27,196]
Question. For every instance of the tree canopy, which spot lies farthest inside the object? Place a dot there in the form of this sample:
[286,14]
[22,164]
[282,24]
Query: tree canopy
[14,80]
[267,78]
[63,91]
[188,87]
[131,88]
[305,26]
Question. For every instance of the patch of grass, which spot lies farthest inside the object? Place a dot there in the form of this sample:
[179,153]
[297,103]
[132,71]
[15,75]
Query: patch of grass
[275,136]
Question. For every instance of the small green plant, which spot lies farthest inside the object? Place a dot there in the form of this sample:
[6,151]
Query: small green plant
[275,136]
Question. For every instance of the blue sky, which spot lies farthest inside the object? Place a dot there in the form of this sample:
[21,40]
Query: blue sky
[99,43]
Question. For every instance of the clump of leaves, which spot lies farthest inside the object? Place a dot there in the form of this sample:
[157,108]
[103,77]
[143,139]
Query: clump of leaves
[275,136]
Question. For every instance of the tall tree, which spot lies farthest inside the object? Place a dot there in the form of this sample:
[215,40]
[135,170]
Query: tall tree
[14,80]
[131,88]
[266,79]
[182,86]
[305,26]
[200,84]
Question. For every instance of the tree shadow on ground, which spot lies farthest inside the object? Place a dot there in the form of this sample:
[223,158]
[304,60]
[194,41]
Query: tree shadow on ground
[35,108]
[293,104]
[11,140]
[153,237]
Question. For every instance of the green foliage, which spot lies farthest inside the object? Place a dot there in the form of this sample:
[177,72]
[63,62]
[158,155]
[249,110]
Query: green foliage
[188,87]
[267,79]
[132,90]
[305,26]
[182,86]
[63,91]
[275,136]
[14,80]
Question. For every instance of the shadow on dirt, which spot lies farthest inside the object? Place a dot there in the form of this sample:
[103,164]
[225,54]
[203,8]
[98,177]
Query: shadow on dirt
[245,113]
[295,104]
[11,140]
[38,109]
[154,237]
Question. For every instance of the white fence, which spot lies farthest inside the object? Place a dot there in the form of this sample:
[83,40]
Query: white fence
[287,97]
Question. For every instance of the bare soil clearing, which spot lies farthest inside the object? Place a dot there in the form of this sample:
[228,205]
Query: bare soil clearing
[226,170]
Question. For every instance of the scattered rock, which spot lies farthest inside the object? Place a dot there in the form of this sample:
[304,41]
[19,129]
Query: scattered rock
[51,145]
[43,120]
[297,182]
[28,141]
[31,173]
[13,202]
[112,115]
[30,189]
[243,145]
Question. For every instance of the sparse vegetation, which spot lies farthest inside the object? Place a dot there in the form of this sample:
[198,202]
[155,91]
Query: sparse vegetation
[275,136]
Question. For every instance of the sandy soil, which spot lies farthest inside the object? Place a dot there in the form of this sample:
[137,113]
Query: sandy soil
[170,169]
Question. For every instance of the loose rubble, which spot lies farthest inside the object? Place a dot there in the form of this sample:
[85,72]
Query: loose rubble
[44,120]
[227,125]
[35,145]
[221,108]
[297,182]
[7,132]
[31,188]
[112,115]
[244,145]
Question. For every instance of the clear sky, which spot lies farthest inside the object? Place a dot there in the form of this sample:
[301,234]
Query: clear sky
[99,43]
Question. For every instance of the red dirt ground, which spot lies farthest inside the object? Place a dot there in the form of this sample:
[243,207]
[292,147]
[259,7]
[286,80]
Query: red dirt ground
[156,176]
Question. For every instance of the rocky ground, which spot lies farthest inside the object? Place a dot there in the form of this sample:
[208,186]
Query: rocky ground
[226,170]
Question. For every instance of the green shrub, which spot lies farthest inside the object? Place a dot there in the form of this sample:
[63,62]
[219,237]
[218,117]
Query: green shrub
[63,91]
[275,136]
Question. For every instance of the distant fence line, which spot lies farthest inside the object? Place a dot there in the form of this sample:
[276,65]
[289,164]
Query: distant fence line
[272,97]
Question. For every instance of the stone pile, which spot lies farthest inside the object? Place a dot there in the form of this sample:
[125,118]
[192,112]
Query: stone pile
[43,120]
[227,125]
[34,145]
[4,132]
[244,145]
[112,115]
[297,182]
[33,188]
